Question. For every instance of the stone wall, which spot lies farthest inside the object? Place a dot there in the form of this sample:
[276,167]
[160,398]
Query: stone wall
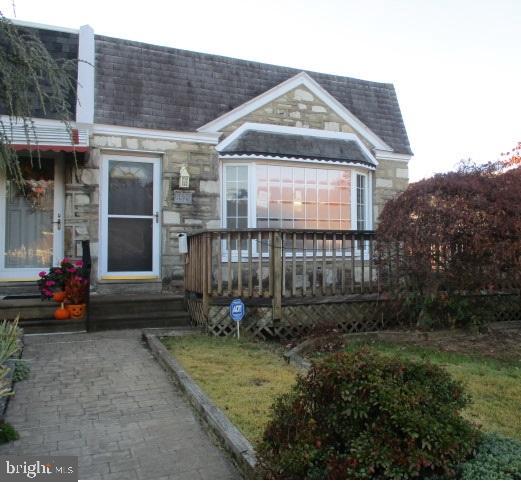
[390,178]
[297,108]
[202,163]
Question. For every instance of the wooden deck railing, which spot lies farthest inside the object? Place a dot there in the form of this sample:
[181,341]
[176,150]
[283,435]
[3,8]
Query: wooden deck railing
[279,264]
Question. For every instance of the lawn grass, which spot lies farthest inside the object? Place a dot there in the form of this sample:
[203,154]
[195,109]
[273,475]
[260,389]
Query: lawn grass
[495,385]
[242,377]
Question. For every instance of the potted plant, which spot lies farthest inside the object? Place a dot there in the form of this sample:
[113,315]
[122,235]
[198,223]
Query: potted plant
[52,283]
[76,292]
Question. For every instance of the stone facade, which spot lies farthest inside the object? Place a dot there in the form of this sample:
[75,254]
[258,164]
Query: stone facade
[297,108]
[390,178]
[301,108]
[82,216]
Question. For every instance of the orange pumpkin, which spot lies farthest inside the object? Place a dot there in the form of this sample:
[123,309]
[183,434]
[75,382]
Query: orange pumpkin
[62,313]
[77,311]
[58,296]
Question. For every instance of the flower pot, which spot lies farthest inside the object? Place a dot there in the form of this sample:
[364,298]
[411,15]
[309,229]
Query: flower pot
[58,296]
[77,312]
[61,313]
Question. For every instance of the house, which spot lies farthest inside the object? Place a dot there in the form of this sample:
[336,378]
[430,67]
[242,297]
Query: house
[172,141]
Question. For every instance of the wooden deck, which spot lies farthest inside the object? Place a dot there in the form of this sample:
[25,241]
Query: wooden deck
[283,276]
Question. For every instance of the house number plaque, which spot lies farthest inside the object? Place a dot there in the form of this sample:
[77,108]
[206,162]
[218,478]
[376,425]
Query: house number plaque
[183,197]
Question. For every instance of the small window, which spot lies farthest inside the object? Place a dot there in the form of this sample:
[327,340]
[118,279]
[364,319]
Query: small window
[361,202]
[236,195]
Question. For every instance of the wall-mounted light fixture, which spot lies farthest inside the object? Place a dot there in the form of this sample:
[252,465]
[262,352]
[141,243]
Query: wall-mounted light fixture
[184,177]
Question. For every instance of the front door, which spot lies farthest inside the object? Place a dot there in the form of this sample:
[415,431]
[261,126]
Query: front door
[130,234]
[31,220]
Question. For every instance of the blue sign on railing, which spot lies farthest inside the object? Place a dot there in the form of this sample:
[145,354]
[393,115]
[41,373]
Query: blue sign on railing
[237,310]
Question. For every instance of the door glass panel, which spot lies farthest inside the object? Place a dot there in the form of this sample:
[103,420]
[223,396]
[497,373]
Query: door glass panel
[29,216]
[131,188]
[129,244]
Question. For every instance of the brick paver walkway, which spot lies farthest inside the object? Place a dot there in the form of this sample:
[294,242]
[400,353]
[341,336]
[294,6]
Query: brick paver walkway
[103,397]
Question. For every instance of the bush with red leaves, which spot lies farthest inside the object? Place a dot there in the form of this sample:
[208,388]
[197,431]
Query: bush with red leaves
[455,234]
[362,415]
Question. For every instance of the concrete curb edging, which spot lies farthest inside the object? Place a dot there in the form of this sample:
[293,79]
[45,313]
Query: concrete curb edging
[233,441]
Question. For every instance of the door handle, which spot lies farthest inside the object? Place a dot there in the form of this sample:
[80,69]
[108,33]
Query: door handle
[58,221]
[156,215]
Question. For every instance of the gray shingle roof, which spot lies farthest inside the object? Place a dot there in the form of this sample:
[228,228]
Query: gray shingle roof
[62,46]
[148,86]
[296,146]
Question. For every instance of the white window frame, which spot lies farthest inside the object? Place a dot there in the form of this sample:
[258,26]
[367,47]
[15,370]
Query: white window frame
[252,199]
[252,189]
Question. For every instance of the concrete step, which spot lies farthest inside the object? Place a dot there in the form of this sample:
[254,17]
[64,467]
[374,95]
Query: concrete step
[27,308]
[140,320]
[103,306]
[51,325]
[106,312]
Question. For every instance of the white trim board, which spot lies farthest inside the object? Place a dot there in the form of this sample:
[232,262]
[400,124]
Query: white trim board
[156,134]
[301,79]
[392,156]
[85,89]
[302,131]
[43,26]
[249,157]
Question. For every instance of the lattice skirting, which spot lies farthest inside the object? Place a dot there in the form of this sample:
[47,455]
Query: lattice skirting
[503,307]
[297,320]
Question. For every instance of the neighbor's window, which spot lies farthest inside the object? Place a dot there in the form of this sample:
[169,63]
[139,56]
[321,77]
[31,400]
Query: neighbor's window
[303,198]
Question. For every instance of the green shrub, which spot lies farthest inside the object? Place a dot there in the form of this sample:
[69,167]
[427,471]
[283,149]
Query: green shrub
[10,336]
[21,370]
[497,458]
[364,415]
[7,433]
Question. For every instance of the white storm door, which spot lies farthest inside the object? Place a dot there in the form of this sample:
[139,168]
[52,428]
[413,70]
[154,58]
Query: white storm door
[31,220]
[130,227]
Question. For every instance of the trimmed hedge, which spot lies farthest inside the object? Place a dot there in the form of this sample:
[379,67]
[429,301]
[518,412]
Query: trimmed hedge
[497,458]
[364,415]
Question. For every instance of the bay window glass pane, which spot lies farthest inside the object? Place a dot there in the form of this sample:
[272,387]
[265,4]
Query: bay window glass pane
[303,198]
[360,202]
[236,194]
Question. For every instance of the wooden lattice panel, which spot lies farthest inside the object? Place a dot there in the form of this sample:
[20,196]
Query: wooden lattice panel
[505,308]
[195,310]
[296,320]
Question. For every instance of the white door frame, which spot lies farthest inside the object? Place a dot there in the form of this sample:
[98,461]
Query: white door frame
[104,273]
[31,274]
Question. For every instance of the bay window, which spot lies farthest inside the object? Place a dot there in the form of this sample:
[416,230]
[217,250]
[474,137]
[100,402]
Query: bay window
[266,195]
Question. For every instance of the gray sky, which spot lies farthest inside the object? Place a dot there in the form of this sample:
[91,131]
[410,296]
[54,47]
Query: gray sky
[456,64]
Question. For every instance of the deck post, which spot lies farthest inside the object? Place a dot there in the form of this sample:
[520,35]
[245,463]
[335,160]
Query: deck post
[276,266]
[207,260]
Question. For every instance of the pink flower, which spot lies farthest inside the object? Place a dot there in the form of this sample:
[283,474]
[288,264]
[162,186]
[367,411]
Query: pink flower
[71,270]
[79,263]
[50,283]
[65,261]
[41,274]
[58,271]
